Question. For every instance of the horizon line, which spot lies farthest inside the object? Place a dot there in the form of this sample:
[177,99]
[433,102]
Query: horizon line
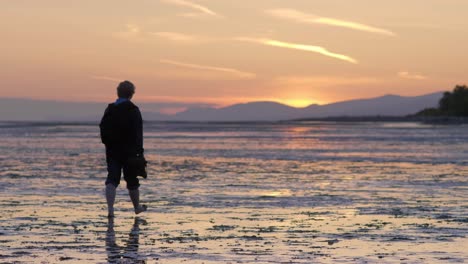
[277,101]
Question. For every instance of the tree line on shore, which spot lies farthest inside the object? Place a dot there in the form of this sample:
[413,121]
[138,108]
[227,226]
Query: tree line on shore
[453,103]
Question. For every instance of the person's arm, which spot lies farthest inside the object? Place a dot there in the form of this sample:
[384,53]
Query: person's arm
[101,125]
[138,128]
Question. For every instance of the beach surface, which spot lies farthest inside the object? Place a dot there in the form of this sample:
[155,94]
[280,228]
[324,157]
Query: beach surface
[306,192]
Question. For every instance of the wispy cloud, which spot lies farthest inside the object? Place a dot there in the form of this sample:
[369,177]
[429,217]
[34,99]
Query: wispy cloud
[174,36]
[230,71]
[316,49]
[132,32]
[411,76]
[199,8]
[300,17]
[183,38]
[321,81]
[105,78]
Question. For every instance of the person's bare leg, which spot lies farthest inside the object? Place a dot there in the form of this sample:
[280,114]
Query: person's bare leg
[135,197]
[110,197]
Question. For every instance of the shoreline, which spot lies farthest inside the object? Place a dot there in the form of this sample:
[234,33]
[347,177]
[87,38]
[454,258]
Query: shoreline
[449,120]
[422,119]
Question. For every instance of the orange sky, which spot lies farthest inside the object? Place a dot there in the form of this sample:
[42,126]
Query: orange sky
[221,52]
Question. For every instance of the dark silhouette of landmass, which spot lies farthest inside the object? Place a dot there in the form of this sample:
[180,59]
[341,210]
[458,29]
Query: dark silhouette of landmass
[389,106]
[452,104]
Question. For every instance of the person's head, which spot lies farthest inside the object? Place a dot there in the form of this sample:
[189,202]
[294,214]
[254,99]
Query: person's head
[125,89]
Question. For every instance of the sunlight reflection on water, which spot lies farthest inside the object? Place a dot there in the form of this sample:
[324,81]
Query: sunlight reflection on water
[264,193]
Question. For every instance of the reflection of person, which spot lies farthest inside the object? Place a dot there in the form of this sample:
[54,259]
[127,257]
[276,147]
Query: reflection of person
[122,134]
[115,253]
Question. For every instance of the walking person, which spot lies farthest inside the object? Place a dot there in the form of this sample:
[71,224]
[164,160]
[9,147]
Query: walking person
[122,133]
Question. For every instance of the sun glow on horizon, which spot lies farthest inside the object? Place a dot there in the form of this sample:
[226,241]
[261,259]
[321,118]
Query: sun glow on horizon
[298,103]
[228,101]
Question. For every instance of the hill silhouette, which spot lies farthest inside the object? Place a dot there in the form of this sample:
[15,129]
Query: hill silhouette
[17,109]
[388,105]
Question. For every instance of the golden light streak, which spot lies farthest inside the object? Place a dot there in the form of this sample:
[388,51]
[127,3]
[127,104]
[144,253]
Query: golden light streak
[316,49]
[184,38]
[300,17]
[194,6]
[235,72]
[173,36]
[105,78]
[411,76]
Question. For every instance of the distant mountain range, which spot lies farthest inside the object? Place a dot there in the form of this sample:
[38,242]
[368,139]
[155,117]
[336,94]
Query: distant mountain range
[15,109]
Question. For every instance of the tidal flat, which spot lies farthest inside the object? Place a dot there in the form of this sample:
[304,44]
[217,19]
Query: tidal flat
[306,192]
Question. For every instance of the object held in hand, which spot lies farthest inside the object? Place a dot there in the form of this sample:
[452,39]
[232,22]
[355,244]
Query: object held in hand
[137,165]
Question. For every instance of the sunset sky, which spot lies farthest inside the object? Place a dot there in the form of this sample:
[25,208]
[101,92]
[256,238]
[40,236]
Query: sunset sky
[222,52]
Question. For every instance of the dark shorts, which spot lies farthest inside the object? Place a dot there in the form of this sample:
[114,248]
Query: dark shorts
[115,168]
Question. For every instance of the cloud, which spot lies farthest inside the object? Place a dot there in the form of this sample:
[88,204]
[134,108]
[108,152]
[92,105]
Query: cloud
[300,17]
[321,81]
[182,38]
[133,32]
[411,76]
[199,8]
[133,28]
[173,36]
[316,49]
[232,72]
[420,26]
[105,78]
[198,100]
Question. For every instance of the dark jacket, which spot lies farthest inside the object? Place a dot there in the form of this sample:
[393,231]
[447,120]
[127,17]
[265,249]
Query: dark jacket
[122,130]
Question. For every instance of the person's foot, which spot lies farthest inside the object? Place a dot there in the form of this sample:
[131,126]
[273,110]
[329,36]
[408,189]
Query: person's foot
[141,209]
[110,197]
[139,221]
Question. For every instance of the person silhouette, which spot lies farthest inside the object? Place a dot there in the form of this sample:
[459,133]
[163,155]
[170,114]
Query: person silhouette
[116,253]
[121,130]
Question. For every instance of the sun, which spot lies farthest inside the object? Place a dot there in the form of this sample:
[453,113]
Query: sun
[298,102]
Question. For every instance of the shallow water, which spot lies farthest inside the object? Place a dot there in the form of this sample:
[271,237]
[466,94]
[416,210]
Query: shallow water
[240,193]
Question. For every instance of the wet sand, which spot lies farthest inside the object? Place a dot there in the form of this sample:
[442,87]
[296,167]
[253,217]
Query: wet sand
[229,210]
[201,215]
